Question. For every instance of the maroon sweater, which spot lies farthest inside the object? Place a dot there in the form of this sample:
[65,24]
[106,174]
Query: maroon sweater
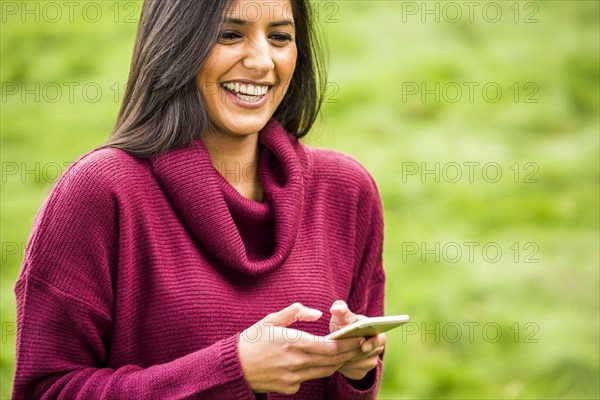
[140,274]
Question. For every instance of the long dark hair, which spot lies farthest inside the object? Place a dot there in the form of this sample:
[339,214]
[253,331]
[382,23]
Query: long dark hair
[162,107]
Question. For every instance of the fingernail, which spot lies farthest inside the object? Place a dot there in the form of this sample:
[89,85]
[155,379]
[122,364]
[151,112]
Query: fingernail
[368,347]
[314,312]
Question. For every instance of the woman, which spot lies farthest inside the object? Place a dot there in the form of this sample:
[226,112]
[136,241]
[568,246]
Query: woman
[204,252]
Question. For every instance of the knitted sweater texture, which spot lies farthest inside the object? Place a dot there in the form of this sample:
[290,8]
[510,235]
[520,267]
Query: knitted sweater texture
[141,273]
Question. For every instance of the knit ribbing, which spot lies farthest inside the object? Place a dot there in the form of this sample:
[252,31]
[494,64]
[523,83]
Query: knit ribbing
[140,274]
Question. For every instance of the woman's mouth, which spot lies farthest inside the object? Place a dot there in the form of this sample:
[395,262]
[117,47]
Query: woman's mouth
[247,92]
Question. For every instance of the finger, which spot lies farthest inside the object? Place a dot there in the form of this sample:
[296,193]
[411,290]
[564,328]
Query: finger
[359,357]
[341,316]
[362,363]
[374,342]
[362,355]
[308,361]
[330,347]
[339,306]
[317,372]
[292,313]
[340,310]
[360,371]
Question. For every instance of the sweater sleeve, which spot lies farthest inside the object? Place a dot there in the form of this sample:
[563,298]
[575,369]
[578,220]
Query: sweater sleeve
[64,306]
[368,285]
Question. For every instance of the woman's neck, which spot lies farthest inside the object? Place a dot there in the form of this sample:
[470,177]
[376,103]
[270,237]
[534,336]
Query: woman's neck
[236,159]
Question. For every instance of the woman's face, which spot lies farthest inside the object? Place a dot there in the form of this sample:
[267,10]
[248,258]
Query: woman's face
[249,70]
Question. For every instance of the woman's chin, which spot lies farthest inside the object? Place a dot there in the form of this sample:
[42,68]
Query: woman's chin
[247,127]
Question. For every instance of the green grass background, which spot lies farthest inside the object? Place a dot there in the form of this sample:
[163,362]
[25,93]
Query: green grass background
[547,309]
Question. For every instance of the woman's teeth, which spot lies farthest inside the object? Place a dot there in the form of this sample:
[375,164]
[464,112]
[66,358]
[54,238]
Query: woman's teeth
[246,91]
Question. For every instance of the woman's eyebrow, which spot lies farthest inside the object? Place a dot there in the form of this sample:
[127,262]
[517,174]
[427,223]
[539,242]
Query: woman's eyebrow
[274,24]
[283,22]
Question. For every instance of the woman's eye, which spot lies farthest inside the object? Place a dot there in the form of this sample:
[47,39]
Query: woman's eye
[281,37]
[228,36]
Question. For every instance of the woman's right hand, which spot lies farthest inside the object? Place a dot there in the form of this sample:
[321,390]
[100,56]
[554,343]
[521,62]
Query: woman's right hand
[278,359]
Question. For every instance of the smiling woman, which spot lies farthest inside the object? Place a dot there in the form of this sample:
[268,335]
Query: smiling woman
[204,251]
[244,80]
[217,42]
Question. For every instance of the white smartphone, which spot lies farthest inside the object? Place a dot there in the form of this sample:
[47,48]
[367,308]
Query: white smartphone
[369,327]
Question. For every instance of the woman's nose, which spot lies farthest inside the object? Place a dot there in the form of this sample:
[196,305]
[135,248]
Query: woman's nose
[258,56]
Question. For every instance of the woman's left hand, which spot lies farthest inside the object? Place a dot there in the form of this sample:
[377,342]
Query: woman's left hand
[357,367]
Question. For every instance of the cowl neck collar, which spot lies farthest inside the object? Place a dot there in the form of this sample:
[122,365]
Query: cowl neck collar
[251,237]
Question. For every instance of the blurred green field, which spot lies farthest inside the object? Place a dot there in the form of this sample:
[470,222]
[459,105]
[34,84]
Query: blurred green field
[482,133]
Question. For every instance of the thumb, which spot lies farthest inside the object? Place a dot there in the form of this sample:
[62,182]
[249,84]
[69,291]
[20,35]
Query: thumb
[292,313]
[341,315]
